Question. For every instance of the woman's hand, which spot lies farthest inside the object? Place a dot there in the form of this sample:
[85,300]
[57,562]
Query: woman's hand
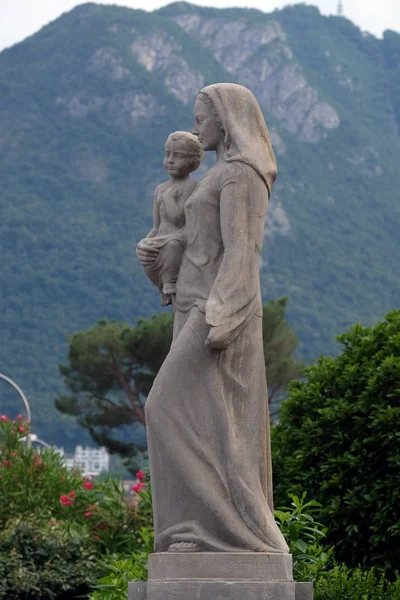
[217,339]
[146,254]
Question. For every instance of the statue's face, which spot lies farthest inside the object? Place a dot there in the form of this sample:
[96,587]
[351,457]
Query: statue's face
[206,126]
[176,158]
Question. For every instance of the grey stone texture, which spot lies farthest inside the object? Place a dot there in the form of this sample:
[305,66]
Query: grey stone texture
[304,591]
[219,590]
[280,85]
[137,591]
[226,566]
[207,413]
[183,154]
[220,576]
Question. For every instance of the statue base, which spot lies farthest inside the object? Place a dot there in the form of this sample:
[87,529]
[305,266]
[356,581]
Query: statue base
[220,576]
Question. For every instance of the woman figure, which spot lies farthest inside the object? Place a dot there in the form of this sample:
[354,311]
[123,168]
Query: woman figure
[207,413]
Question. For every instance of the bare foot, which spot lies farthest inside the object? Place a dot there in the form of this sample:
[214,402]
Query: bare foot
[184,547]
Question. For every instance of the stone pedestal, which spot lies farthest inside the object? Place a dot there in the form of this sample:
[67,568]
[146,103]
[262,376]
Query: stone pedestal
[220,576]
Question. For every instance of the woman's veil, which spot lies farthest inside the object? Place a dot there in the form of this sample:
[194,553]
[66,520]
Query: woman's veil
[246,134]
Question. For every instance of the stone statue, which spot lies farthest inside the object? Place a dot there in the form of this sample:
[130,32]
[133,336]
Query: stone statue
[207,413]
[183,154]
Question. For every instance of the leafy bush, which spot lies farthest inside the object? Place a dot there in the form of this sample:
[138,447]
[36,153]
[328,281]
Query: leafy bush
[45,562]
[121,569]
[34,482]
[303,535]
[55,525]
[345,584]
[338,439]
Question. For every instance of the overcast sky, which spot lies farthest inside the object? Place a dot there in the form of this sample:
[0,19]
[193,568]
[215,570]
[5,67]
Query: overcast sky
[20,18]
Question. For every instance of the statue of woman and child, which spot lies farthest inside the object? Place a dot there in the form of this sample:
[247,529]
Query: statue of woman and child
[207,413]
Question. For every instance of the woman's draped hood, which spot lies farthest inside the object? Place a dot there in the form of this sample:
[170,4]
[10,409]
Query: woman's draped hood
[246,134]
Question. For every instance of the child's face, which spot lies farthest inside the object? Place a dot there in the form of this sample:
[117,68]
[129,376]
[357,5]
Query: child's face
[176,160]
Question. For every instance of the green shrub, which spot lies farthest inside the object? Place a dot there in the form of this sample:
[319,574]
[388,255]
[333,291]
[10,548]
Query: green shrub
[45,562]
[121,569]
[304,535]
[344,584]
[338,439]
[55,525]
[34,482]
[114,585]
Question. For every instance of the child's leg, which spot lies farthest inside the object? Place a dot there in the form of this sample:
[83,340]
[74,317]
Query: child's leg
[171,256]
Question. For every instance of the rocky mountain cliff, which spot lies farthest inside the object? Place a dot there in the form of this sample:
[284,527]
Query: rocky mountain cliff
[85,107]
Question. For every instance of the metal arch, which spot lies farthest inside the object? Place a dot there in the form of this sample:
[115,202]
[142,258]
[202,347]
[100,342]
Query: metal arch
[24,400]
[20,392]
[36,440]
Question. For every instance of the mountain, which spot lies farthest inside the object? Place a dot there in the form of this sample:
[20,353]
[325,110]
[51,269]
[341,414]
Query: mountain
[85,107]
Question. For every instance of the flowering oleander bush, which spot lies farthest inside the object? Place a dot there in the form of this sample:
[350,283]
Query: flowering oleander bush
[55,525]
[32,482]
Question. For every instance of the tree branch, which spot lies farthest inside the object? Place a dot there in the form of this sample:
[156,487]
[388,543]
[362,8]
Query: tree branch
[132,396]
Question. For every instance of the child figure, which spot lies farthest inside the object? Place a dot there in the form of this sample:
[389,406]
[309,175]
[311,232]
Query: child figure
[183,154]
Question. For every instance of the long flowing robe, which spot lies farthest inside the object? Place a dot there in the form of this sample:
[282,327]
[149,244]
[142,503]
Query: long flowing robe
[207,413]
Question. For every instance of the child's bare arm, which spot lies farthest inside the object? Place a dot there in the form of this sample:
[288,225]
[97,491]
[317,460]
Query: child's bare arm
[156,215]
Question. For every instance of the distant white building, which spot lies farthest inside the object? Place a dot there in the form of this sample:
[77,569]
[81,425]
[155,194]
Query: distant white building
[91,461]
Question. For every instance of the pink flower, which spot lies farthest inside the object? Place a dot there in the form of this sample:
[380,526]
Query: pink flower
[22,429]
[4,418]
[37,462]
[88,485]
[93,507]
[96,537]
[140,475]
[19,418]
[88,514]
[68,499]
[137,487]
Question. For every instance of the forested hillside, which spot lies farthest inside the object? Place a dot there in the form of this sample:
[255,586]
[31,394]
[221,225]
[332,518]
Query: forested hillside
[85,107]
